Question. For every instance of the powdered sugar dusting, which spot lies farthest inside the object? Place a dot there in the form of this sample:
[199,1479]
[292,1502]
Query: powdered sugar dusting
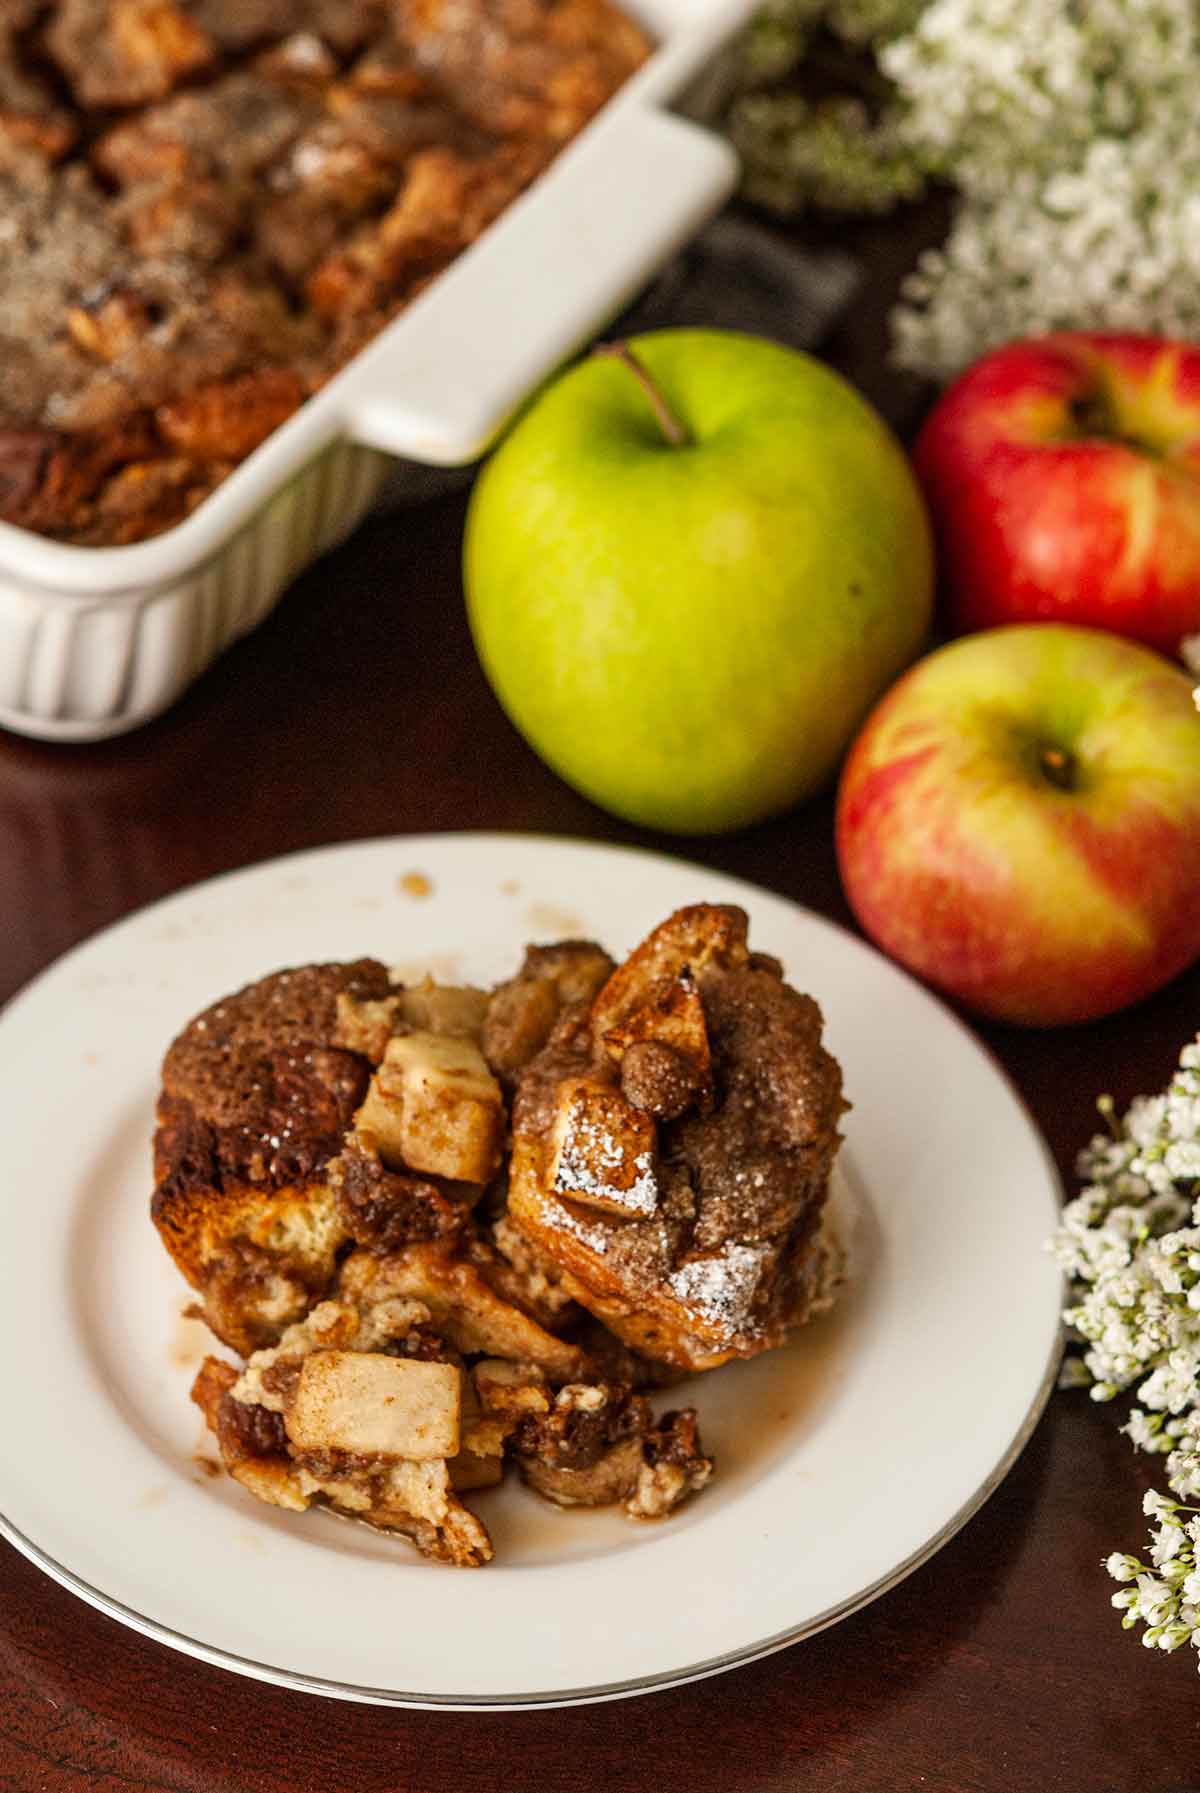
[588,1154]
[720,1288]
[592,1236]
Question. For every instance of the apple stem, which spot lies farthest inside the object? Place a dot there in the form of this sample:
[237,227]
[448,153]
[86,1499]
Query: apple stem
[675,432]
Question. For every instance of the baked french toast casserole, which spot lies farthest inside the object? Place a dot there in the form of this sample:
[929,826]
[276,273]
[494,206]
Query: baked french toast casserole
[441,1230]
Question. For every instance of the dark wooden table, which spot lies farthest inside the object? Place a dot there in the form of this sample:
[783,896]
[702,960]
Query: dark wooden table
[358,710]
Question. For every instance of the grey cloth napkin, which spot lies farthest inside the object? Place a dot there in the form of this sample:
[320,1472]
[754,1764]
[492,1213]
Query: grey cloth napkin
[740,275]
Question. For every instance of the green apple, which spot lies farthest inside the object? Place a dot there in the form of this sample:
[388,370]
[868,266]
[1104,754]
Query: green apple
[691,567]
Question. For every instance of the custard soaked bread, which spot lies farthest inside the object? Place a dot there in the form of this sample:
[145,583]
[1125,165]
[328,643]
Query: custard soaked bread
[672,1145]
[255,1197]
[255,1102]
[424,1287]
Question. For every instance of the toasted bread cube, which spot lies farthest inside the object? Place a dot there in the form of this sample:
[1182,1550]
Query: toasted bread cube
[602,1149]
[373,1405]
[519,1019]
[704,934]
[118,53]
[674,1018]
[434,1106]
[365,1026]
[158,44]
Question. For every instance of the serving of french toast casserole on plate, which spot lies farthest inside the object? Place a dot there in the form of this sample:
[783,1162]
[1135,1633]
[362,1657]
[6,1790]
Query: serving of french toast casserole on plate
[207,207]
[442,1230]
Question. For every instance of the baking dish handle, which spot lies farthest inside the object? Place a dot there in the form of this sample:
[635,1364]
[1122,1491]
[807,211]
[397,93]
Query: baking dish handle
[566,258]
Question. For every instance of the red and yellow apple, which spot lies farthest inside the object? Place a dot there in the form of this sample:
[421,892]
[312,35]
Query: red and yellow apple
[1019,822]
[1063,476]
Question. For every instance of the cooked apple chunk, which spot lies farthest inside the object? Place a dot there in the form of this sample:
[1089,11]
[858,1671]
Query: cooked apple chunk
[601,1150]
[374,1405]
[434,1106]
[365,1024]
[497,1396]
[457,1009]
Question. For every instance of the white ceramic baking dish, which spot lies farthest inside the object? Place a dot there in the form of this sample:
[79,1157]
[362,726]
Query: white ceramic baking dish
[94,641]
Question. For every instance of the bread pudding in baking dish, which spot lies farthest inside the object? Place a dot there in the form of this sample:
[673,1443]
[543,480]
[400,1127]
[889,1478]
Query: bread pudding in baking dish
[443,1230]
[209,206]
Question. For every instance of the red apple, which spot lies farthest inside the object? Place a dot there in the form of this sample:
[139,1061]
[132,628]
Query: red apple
[1063,474]
[1019,822]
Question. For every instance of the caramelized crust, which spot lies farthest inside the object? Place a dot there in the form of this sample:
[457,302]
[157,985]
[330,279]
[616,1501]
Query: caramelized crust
[227,419]
[254,1088]
[30,118]
[525,68]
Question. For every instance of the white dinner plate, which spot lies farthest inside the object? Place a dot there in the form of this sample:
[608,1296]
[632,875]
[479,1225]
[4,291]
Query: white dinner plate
[843,1461]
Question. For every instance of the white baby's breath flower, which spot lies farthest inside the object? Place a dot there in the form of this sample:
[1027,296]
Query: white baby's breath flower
[1131,1244]
[1070,132]
[1183,1463]
[1145,1430]
[1183,1467]
[1170,1540]
[1181,1159]
[1156,1602]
